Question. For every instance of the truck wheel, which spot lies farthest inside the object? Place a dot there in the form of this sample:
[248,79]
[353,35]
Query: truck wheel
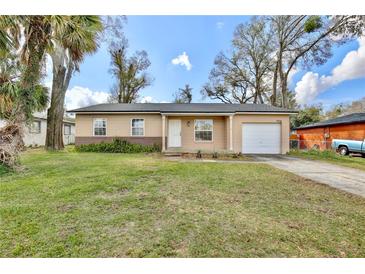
[343,151]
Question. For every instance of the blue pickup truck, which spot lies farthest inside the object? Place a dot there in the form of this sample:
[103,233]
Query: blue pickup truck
[344,147]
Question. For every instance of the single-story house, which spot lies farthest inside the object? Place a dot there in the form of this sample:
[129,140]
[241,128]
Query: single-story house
[320,135]
[35,134]
[246,128]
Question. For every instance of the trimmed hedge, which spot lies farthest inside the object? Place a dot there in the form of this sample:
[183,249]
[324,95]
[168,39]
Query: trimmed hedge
[118,146]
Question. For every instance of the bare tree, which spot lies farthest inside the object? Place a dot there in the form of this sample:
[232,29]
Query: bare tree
[243,76]
[129,73]
[267,49]
[253,44]
[184,95]
[304,41]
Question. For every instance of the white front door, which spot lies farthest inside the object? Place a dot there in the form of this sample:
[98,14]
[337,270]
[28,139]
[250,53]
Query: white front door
[174,138]
[261,138]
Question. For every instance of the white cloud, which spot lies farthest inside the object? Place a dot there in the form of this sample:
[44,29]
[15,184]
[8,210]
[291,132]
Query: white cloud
[77,96]
[219,25]
[148,99]
[351,67]
[182,60]
[81,97]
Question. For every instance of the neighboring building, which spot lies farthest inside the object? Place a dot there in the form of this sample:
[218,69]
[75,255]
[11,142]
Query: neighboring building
[35,134]
[320,135]
[246,128]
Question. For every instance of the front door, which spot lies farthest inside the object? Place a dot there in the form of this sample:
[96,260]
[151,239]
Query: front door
[174,138]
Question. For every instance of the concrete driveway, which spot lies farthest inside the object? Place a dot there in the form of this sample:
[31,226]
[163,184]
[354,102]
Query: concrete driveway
[347,179]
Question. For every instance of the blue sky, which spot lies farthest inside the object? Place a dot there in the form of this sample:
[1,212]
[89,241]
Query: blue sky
[201,38]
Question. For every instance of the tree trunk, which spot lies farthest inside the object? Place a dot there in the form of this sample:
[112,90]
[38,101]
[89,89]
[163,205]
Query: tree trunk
[54,138]
[284,91]
[61,77]
[11,143]
[274,86]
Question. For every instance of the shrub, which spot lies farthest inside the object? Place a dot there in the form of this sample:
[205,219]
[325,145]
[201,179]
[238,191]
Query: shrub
[215,155]
[118,146]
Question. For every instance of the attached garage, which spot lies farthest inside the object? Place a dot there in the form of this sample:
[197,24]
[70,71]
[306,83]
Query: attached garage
[261,138]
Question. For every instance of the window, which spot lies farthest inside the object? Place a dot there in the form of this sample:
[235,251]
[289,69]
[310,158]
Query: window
[137,127]
[99,127]
[67,130]
[35,127]
[203,130]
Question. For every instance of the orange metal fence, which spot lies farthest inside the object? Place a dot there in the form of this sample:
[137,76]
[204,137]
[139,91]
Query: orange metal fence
[310,144]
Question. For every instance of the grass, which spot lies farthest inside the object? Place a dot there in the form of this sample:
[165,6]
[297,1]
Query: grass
[72,204]
[331,157]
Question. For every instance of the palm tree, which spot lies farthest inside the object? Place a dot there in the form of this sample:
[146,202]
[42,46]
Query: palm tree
[72,42]
[8,30]
[21,66]
[15,100]
[67,38]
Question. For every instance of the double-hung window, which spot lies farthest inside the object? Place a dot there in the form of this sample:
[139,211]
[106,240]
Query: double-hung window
[99,127]
[137,127]
[35,127]
[203,130]
[67,129]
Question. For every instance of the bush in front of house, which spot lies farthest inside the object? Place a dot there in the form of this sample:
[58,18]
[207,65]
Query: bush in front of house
[118,146]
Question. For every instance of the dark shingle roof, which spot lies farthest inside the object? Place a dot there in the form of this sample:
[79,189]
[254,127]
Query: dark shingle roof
[347,119]
[182,108]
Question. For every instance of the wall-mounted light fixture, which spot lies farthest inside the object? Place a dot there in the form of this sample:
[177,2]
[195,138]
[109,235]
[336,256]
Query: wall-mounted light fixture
[188,123]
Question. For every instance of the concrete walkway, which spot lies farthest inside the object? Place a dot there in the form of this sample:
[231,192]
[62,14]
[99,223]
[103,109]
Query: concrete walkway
[344,178]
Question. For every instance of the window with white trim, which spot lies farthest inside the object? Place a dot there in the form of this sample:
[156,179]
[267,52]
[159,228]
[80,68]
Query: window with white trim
[35,127]
[99,127]
[137,127]
[67,129]
[203,130]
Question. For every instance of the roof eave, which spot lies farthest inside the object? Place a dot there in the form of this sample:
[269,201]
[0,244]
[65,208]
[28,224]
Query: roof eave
[328,125]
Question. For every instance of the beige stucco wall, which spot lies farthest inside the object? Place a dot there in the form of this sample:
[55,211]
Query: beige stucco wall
[187,134]
[239,119]
[118,124]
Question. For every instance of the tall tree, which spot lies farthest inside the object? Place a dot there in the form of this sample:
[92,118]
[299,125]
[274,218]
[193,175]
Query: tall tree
[244,75]
[16,101]
[253,44]
[37,39]
[345,108]
[73,38]
[267,49]
[22,54]
[129,72]
[9,29]
[184,95]
[304,41]
[307,115]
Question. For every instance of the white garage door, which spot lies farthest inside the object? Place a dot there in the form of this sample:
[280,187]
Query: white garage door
[261,138]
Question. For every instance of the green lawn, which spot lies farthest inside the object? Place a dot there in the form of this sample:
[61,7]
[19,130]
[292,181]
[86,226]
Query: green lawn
[112,205]
[331,157]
